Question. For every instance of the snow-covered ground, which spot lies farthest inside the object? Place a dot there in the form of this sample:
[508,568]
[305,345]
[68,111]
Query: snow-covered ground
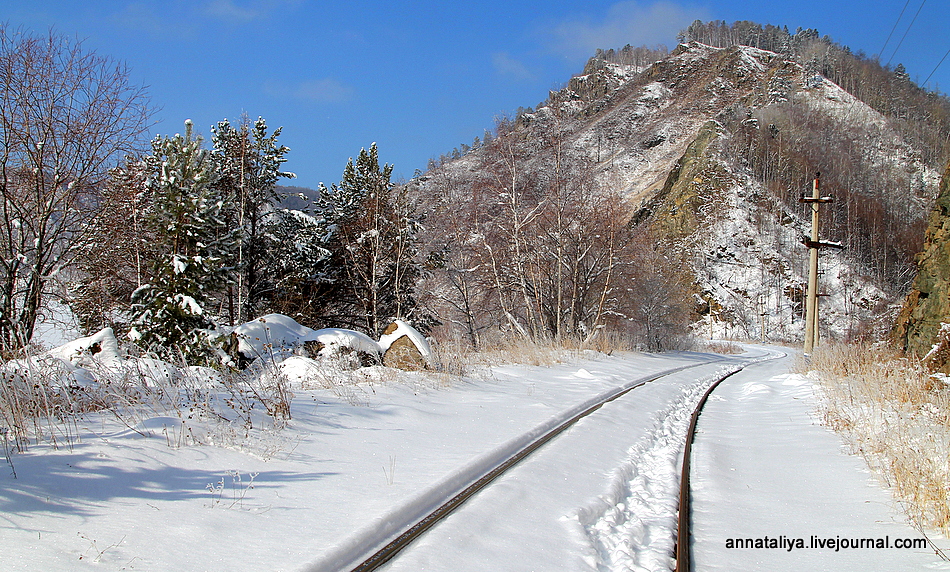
[766,472]
[356,458]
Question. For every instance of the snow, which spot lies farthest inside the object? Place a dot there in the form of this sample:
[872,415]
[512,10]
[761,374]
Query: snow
[273,331]
[188,304]
[358,459]
[751,59]
[791,481]
[277,334]
[631,526]
[179,266]
[101,346]
[753,264]
[336,339]
[56,325]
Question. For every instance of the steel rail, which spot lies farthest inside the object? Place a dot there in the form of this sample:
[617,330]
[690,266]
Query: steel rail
[684,551]
[390,550]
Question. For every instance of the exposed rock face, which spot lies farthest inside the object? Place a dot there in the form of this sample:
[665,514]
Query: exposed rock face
[928,304]
[402,352]
[696,181]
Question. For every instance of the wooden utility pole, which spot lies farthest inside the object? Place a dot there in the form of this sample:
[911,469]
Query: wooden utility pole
[811,296]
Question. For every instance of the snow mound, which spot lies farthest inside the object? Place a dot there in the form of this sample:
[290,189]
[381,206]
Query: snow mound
[97,359]
[152,372]
[73,364]
[56,374]
[336,339]
[277,333]
[101,346]
[268,333]
[301,371]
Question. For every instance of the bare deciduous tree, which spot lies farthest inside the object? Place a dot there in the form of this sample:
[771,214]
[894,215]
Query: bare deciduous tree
[66,116]
[533,244]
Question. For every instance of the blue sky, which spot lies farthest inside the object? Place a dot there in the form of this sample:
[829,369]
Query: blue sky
[417,77]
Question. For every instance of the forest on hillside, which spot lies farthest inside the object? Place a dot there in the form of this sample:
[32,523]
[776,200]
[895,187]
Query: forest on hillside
[554,282]
[869,214]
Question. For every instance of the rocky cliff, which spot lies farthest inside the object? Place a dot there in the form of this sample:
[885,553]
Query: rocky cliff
[927,306]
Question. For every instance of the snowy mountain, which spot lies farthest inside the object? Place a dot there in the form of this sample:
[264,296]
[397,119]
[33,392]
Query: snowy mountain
[711,148]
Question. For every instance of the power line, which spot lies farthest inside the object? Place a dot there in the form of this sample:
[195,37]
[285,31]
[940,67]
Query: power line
[906,32]
[894,28]
[935,69]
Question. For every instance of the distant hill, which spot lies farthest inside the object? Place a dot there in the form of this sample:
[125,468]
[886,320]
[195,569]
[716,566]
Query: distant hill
[296,198]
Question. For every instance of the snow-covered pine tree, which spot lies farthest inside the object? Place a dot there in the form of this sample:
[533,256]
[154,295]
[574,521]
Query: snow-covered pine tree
[194,249]
[248,161]
[296,271]
[374,247]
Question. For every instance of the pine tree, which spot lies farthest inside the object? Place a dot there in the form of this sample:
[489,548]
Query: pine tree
[900,74]
[374,246]
[248,161]
[193,248]
[296,273]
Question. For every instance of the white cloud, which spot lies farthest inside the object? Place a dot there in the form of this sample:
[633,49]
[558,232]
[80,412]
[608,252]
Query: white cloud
[244,11]
[510,67]
[627,22]
[186,17]
[326,90]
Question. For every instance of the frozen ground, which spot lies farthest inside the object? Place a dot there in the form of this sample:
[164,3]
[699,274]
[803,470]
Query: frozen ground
[356,458]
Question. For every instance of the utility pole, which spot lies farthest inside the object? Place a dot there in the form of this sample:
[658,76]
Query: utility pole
[814,244]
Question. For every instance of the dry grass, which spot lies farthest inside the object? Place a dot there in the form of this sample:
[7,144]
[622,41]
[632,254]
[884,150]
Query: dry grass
[42,400]
[721,347]
[457,357]
[895,413]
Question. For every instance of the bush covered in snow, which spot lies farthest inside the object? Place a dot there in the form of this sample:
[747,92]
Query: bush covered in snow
[40,392]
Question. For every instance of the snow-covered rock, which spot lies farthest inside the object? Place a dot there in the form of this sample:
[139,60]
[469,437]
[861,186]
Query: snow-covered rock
[404,346]
[277,334]
[103,347]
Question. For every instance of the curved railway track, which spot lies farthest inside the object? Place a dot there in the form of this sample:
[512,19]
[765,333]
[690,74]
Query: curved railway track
[406,537]
[683,552]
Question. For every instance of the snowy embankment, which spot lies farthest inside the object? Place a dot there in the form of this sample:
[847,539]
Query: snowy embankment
[775,490]
[361,545]
[564,510]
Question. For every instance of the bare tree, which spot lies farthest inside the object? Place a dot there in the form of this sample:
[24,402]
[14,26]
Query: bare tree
[66,116]
[116,251]
[462,291]
[532,244]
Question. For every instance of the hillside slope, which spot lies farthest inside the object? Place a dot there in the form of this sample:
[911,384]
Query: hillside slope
[711,148]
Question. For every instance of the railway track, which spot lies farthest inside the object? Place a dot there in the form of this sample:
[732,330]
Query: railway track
[405,537]
[684,555]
